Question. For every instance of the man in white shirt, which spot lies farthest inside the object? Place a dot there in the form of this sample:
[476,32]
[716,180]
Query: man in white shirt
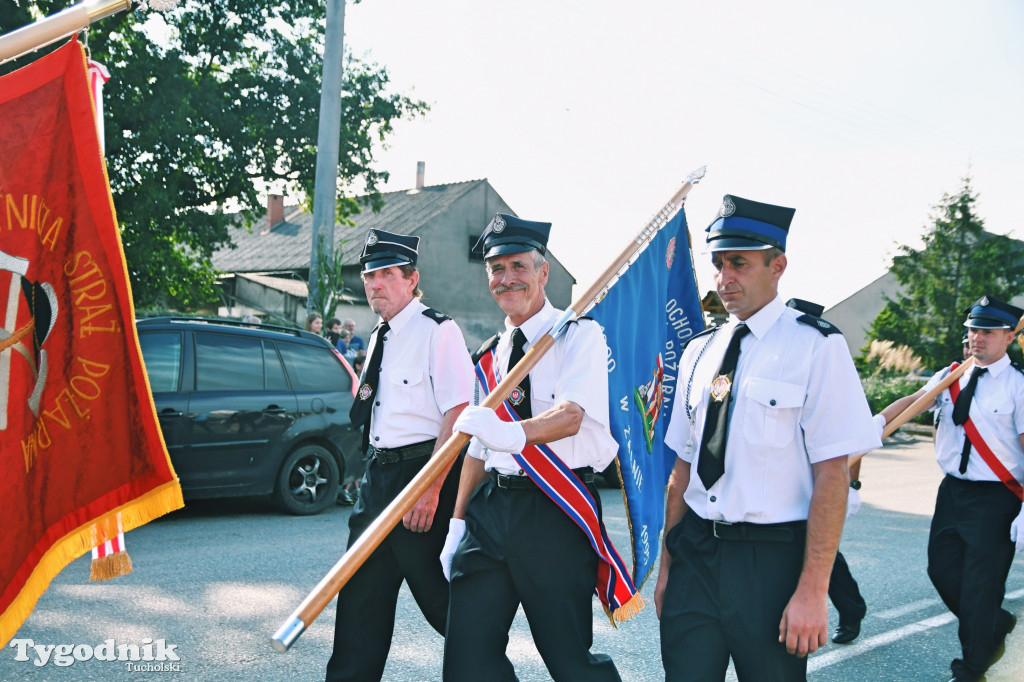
[416,382]
[771,409]
[514,544]
[978,522]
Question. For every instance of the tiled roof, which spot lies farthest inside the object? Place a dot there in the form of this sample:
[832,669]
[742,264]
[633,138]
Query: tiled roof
[287,245]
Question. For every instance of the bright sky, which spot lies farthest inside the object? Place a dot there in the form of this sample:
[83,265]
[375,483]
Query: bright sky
[590,113]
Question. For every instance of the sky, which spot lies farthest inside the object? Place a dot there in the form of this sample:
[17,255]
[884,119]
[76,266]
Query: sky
[590,114]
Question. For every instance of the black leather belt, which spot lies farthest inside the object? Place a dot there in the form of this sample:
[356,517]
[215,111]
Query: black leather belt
[758,532]
[395,455]
[507,482]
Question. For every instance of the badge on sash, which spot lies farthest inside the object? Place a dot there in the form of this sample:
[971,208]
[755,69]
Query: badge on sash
[516,396]
[720,388]
[365,391]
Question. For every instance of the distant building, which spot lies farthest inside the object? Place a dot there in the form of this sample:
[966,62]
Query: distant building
[268,271]
[854,314]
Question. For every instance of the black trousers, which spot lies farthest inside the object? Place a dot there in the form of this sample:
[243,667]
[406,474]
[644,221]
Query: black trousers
[521,548]
[969,557]
[366,605]
[725,598]
[844,592]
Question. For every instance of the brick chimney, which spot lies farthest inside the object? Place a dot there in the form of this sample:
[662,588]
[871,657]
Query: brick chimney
[275,209]
[421,169]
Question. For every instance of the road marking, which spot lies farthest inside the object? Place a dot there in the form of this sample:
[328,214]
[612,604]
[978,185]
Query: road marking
[851,650]
[819,661]
[906,609]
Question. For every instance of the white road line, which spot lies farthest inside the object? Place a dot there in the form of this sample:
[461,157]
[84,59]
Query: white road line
[851,650]
[823,660]
[907,609]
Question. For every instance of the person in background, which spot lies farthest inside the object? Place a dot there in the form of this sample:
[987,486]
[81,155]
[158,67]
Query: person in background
[334,334]
[354,343]
[978,522]
[314,323]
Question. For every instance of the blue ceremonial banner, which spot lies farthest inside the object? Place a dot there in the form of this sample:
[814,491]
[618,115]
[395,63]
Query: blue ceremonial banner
[647,316]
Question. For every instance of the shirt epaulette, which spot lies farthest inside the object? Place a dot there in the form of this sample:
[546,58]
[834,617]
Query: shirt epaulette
[709,330]
[485,348]
[436,315]
[821,325]
[1016,365]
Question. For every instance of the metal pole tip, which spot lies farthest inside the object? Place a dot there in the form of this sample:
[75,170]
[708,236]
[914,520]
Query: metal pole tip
[287,634]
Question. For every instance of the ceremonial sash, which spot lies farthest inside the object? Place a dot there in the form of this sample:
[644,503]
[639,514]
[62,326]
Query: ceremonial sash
[984,450]
[615,587]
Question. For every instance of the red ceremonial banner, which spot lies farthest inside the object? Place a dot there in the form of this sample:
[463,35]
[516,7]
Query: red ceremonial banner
[81,455]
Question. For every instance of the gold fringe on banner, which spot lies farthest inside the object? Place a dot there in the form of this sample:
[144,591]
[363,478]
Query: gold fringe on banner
[111,566]
[157,502]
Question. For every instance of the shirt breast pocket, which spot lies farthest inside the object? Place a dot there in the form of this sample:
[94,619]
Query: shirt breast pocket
[407,390]
[772,412]
[542,387]
[1000,407]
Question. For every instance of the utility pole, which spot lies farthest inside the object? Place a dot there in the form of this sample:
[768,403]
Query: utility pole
[328,139]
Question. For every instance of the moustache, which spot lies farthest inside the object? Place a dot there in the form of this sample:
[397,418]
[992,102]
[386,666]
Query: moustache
[501,288]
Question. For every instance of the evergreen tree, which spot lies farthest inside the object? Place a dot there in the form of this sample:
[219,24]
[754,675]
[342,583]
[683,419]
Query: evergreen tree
[959,263]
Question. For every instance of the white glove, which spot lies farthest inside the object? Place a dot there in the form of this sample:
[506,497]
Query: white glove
[852,503]
[879,420]
[456,529]
[1017,531]
[490,430]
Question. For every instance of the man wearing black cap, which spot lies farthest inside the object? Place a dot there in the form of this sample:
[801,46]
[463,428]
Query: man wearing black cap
[978,522]
[416,381]
[511,543]
[771,409]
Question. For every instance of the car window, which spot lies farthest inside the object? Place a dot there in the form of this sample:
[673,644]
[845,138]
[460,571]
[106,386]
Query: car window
[162,354]
[275,372]
[314,369]
[228,363]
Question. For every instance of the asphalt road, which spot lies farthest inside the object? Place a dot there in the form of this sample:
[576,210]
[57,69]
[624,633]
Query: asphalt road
[217,579]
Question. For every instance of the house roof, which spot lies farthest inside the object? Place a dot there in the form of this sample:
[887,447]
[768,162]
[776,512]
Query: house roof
[287,245]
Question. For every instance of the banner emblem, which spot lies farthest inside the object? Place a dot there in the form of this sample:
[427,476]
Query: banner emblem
[648,398]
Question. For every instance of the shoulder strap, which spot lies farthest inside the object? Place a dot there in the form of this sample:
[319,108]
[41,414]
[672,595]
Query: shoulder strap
[485,348]
[821,325]
[436,315]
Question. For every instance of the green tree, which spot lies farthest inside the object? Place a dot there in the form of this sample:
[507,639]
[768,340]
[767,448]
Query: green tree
[959,263]
[209,103]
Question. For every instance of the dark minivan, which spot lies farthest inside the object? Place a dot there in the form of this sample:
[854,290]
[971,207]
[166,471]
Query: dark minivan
[252,410]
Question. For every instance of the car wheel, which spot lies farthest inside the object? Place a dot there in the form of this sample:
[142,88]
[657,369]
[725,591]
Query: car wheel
[308,480]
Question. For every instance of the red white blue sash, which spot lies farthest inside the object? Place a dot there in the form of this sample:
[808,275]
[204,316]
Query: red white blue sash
[615,587]
[983,449]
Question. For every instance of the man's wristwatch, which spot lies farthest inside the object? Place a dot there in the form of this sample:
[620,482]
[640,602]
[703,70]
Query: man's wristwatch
[855,485]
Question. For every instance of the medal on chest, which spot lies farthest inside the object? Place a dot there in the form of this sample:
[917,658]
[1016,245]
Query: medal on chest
[516,396]
[720,388]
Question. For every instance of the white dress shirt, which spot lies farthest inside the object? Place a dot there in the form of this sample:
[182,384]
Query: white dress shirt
[573,370]
[425,372]
[997,409]
[798,401]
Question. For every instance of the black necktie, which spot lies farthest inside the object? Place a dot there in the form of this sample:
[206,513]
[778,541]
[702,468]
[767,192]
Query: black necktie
[961,409]
[711,464]
[362,406]
[520,398]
